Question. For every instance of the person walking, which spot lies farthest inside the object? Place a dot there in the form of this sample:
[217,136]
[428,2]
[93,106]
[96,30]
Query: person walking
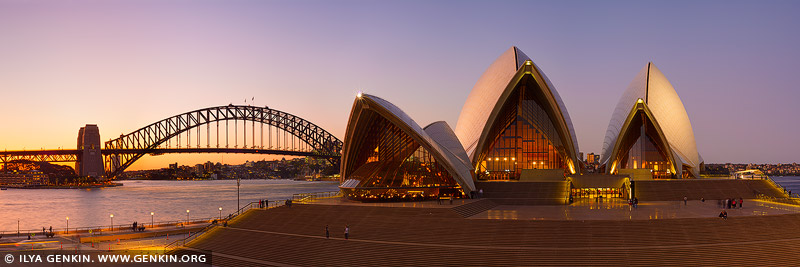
[328,233]
[346,232]
[740,202]
[684,200]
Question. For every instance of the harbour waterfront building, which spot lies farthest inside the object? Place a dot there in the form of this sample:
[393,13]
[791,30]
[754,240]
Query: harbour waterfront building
[514,125]
[387,156]
[649,135]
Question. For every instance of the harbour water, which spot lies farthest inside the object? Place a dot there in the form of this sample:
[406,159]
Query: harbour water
[169,200]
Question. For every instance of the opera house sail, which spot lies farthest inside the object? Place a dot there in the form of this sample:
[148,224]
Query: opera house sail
[514,125]
[388,156]
[649,135]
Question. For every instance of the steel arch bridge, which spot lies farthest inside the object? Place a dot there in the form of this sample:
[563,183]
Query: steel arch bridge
[292,135]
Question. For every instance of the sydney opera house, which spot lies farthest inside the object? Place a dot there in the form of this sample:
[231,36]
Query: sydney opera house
[650,135]
[513,127]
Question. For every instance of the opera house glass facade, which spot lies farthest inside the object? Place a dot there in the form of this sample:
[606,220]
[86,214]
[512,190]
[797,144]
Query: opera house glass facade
[514,120]
[649,135]
[388,156]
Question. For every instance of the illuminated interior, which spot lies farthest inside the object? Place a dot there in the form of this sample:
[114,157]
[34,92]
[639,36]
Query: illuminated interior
[522,137]
[643,147]
[387,164]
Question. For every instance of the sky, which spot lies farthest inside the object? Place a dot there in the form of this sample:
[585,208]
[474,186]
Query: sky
[126,64]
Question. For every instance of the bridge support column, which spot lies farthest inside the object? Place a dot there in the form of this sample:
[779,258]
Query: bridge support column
[90,159]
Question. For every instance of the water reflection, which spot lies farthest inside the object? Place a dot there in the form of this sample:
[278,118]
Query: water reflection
[168,200]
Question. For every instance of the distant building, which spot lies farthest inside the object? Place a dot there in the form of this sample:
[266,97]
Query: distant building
[592,158]
[22,178]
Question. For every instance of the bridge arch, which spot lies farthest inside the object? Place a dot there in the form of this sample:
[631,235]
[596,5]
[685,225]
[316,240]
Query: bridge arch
[122,152]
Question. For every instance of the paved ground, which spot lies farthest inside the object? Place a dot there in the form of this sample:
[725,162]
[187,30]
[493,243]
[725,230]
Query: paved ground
[416,204]
[618,209]
[589,209]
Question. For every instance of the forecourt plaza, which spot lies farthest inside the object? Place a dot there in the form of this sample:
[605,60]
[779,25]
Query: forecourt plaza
[506,186]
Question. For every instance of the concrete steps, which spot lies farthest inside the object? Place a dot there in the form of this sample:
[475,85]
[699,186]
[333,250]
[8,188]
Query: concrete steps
[694,189]
[382,236]
[470,209]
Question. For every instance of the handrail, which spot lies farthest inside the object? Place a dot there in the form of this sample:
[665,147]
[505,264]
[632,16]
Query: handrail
[246,207]
[776,184]
[306,197]
[105,228]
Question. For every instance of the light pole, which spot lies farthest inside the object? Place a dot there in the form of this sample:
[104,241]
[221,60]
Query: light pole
[187,216]
[67,225]
[112,221]
[238,183]
[151,219]
[220,213]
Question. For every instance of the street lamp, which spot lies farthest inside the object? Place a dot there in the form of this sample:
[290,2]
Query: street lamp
[187,216]
[112,222]
[151,219]
[238,183]
[220,213]
[67,225]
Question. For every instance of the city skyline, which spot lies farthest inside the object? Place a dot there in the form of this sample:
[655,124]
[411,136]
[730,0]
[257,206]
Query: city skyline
[123,64]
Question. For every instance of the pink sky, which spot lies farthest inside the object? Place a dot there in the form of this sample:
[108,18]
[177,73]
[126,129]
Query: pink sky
[125,64]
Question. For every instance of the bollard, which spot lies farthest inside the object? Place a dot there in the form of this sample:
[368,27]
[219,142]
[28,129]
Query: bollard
[167,236]
[92,243]
[109,247]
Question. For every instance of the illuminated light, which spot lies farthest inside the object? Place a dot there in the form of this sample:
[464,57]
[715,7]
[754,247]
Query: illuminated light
[527,62]
[534,163]
[490,159]
[496,158]
[505,158]
[640,101]
[513,158]
[359,94]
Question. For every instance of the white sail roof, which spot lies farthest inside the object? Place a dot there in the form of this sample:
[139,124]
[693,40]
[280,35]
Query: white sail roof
[652,86]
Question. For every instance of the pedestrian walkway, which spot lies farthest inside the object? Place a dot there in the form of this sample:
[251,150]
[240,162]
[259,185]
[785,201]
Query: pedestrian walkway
[618,209]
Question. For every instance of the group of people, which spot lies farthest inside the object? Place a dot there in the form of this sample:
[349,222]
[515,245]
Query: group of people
[137,227]
[730,203]
[346,232]
[263,203]
[46,233]
[634,202]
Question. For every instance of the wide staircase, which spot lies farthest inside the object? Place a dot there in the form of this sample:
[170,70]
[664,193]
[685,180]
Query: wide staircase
[470,209]
[666,190]
[525,193]
[383,236]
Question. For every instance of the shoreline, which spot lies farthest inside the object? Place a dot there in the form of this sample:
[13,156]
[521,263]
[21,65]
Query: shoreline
[64,186]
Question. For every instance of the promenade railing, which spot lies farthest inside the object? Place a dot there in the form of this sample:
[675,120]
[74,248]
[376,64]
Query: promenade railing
[252,205]
[107,229]
[306,197]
